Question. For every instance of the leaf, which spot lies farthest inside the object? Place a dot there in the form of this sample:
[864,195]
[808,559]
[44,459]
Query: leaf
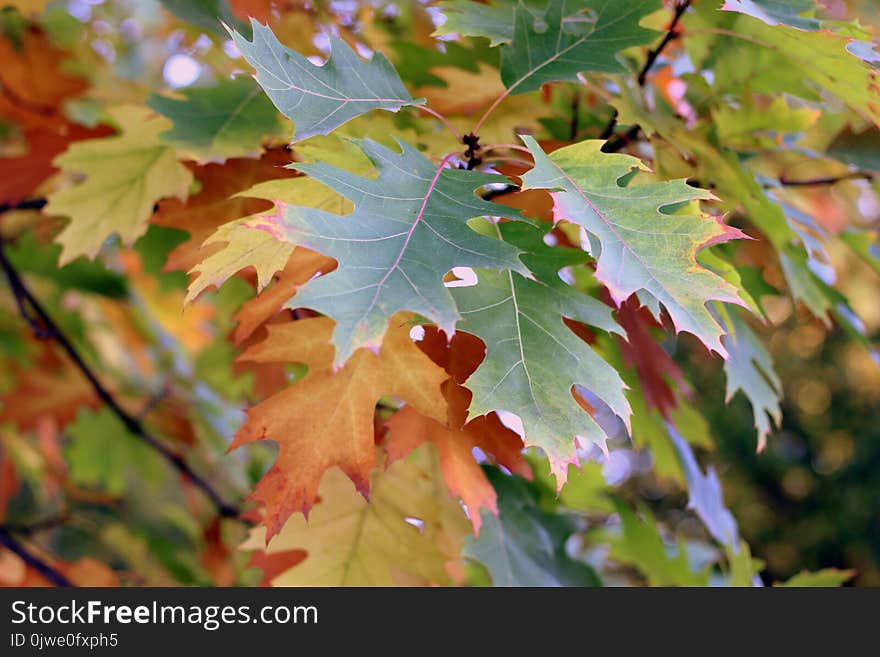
[326,418]
[656,369]
[102,454]
[492,20]
[705,496]
[532,358]
[409,228]
[860,149]
[352,542]
[641,545]
[750,370]
[227,120]
[774,12]
[573,36]
[218,202]
[639,247]
[523,545]
[780,59]
[205,14]
[302,265]
[319,99]
[827,577]
[408,430]
[50,388]
[125,176]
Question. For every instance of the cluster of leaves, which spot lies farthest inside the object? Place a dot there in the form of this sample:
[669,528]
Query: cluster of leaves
[413,250]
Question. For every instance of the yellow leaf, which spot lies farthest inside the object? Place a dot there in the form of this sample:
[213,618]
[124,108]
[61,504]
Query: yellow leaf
[125,176]
[410,532]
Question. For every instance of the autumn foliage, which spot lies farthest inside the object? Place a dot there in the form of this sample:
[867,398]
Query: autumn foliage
[422,293]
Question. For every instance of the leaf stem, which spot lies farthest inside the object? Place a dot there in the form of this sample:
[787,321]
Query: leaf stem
[437,115]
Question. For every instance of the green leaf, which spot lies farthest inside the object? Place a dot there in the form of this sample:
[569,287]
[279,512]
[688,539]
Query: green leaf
[206,14]
[523,545]
[493,20]
[827,577]
[860,149]
[639,247]
[409,228]
[750,370]
[641,545]
[125,176]
[226,120]
[746,53]
[102,454]
[573,36]
[319,99]
[27,255]
[797,13]
[532,358]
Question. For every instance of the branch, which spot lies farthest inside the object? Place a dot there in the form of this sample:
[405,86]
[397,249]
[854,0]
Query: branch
[831,180]
[680,8]
[49,572]
[671,34]
[45,327]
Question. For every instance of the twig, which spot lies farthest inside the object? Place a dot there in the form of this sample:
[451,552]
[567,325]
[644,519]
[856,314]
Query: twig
[646,68]
[39,526]
[830,180]
[49,572]
[25,299]
[670,35]
[28,204]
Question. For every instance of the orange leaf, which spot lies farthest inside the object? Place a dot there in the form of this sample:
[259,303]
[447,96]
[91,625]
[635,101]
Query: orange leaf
[326,418]
[303,264]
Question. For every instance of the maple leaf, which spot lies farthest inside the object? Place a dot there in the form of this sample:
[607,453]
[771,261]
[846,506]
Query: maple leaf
[353,542]
[573,36]
[218,202]
[456,439]
[640,248]
[326,418]
[409,228]
[524,545]
[319,99]
[226,120]
[125,176]
[533,359]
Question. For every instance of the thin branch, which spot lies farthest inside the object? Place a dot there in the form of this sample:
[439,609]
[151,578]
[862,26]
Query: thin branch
[49,572]
[671,34]
[28,204]
[25,299]
[830,180]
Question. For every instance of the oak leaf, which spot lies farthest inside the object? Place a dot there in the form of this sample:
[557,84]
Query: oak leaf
[326,418]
